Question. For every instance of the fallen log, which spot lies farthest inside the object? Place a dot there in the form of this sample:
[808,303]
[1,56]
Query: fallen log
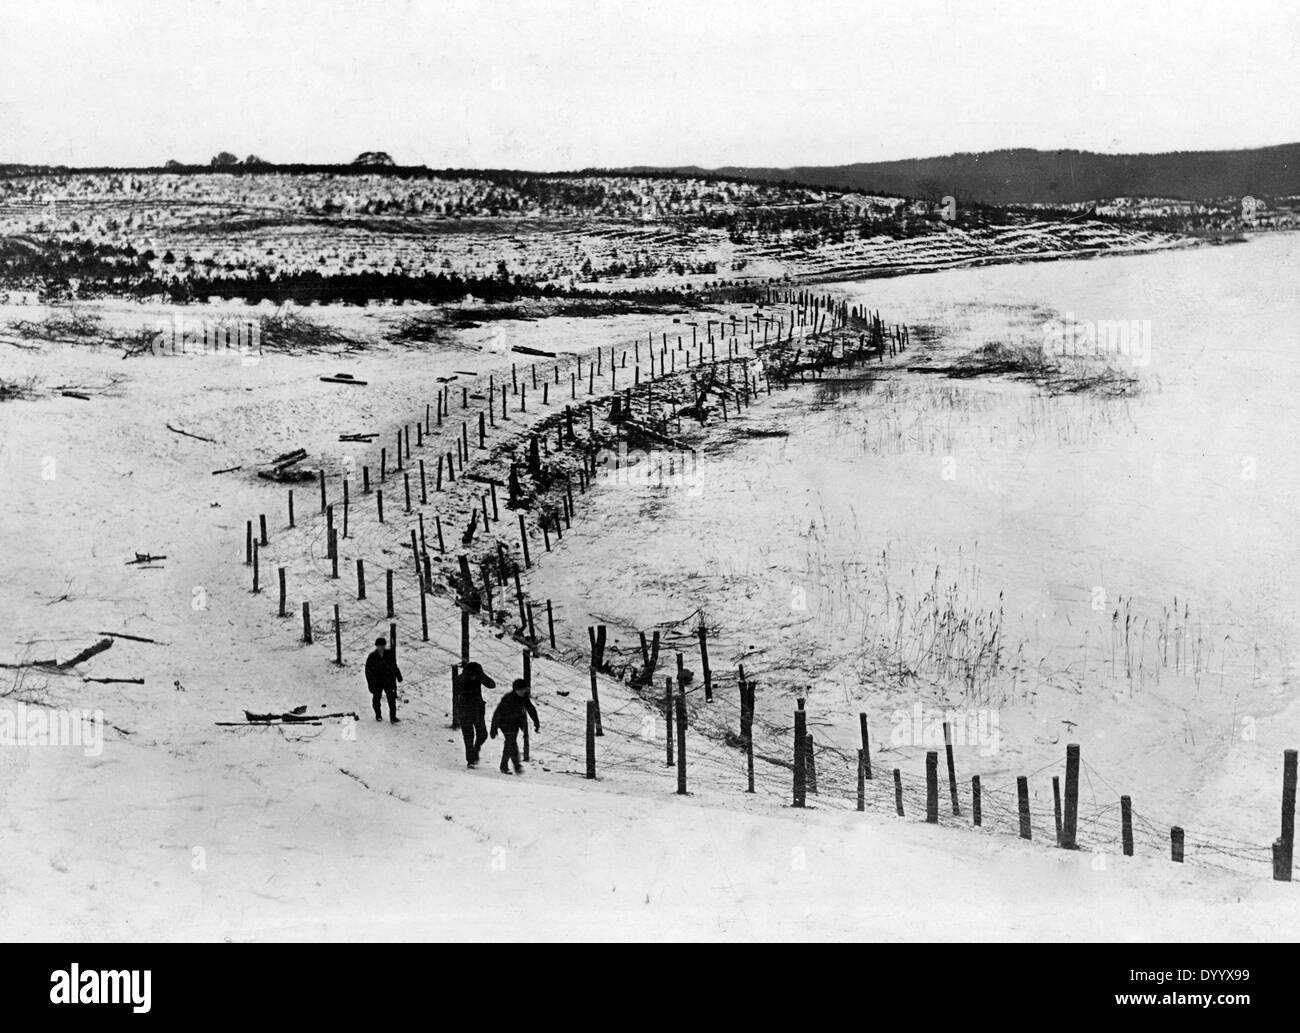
[524,350]
[186,433]
[116,681]
[75,394]
[289,457]
[228,469]
[88,652]
[343,380]
[143,557]
[133,638]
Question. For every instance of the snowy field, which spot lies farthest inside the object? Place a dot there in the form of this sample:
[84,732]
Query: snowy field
[183,829]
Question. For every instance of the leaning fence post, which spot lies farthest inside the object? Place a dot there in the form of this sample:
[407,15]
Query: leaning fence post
[595,698]
[898,791]
[932,787]
[1022,794]
[1056,806]
[976,813]
[591,738]
[866,748]
[1070,826]
[1126,818]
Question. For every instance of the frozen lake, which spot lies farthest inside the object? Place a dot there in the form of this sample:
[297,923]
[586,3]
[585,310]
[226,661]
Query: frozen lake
[1113,571]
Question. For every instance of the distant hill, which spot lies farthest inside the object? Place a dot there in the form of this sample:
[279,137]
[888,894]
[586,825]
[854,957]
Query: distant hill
[1024,176]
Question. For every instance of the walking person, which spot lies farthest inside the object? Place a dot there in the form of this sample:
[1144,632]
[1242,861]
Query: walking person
[467,697]
[509,717]
[382,676]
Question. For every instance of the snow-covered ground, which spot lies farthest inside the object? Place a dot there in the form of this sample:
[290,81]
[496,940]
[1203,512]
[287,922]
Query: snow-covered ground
[183,829]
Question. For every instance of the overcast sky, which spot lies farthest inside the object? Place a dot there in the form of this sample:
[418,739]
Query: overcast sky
[551,85]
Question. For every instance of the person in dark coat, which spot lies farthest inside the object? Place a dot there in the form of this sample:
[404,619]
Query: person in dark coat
[467,693]
[514,709]
[382,676]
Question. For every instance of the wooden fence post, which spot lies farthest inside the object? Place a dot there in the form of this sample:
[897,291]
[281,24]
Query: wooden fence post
[862,784]
[681,744]
[1056,806]
[668,720]
[262,521]
[595,698]
[424,606]
[322,491]
[523,540]
[866,748]
[1126,818]
[306,623]
[291,523]
[591,738]
[248,545]
[1284,847]
[932,787]
[379,503]
[810,764]
[283,611]
[704,662]
[388,590]
[1176,844]
[800,757]
[338,638]
[1070,826]
[976,813]
[1022,794]
[952,770]
[898,791]
[257,587]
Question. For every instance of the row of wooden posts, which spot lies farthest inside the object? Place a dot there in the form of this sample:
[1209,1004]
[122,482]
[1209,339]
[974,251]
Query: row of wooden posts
[804,765]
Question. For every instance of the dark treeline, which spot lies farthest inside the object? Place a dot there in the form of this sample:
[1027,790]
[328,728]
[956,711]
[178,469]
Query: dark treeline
[90,270]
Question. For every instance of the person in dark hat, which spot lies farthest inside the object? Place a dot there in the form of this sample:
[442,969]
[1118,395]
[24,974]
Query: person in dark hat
[514,709]
[382,676]
[467,697]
